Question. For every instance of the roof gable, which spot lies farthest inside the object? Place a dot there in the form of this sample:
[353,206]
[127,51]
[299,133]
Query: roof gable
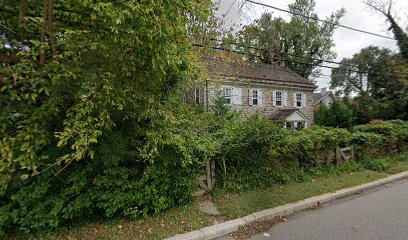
[318,97]
[291,115]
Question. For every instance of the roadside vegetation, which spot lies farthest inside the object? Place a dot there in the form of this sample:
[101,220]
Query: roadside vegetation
[231,205]
[97,141]
[254,157]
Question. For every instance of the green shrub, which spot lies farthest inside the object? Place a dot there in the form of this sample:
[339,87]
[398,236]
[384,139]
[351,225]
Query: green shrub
[118,183]
[337,115]
[379,165]
[392,136]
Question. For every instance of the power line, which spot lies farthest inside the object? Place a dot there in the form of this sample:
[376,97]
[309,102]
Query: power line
[307,58]
[229,9]
[285,60]
[324,21]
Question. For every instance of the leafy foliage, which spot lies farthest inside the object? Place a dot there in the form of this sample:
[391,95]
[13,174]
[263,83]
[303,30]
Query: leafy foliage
[96,59]
[366,73]
[300,43]
[337,114]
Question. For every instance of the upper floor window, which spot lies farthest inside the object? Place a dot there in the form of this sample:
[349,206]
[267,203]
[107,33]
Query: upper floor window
[255,97]
[279,98]
[299,100]
[227,93]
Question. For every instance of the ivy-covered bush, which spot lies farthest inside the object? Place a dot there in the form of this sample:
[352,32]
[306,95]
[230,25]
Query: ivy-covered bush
[381,136]
[310,147]
[251,152]
[259,153]
[119,183]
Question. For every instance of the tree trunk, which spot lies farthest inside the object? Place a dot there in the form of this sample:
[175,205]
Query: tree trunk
[42,36]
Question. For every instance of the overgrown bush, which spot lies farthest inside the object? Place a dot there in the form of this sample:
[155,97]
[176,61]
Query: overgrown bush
[119,183]
[250,153]
[338,114]
[382,136]
[379,165]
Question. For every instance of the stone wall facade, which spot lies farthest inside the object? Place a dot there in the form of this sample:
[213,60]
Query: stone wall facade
[267,108]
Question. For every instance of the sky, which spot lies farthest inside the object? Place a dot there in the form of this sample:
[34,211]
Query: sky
[347,42]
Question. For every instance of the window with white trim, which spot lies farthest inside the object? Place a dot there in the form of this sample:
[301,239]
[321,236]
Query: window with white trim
[295,125]
[279,99]
[255,97]
[227,93]
[299,100]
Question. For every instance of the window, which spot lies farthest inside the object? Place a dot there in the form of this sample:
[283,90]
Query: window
[299,125]
[255,97]
[197,96]
[279,99]
[296,125]
[298,100]
[227,93]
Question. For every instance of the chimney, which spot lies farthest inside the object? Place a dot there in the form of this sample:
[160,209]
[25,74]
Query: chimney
[323,91]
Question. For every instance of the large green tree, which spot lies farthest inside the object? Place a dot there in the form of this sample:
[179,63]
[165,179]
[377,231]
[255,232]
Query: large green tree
[375,75]
[69,66]
[366,73]
[302,43]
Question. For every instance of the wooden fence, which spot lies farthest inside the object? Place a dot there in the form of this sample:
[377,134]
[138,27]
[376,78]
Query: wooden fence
[344,154]
[207,181]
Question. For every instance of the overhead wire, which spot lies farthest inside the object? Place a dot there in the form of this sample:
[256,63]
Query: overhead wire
[320,20]
[292,61]
[307,58]
[229,9]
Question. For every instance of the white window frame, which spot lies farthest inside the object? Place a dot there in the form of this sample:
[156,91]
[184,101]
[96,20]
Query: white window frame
[278,99]
[303,100]
[283,98]
[228,97]
[255,98]
[294,125]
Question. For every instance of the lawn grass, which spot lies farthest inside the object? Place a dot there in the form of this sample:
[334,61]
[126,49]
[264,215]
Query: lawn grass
[231,206]
[240,204]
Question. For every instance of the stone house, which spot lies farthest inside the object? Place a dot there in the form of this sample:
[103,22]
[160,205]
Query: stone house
[269,89]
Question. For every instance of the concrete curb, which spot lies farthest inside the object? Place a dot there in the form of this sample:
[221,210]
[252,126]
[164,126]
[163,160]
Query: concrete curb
[225,228]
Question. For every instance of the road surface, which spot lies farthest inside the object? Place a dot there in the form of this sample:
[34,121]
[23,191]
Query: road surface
[381,213]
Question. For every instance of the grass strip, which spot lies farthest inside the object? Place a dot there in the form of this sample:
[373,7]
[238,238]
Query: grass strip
[231,205]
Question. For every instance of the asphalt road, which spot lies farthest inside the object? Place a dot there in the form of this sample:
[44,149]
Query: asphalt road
[379,214]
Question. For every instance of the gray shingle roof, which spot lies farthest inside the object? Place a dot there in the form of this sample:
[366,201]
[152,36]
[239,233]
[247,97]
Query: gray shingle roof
[317,97]
[257,72]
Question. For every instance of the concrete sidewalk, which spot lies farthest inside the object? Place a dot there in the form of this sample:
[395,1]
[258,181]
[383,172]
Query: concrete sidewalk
[225,228]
